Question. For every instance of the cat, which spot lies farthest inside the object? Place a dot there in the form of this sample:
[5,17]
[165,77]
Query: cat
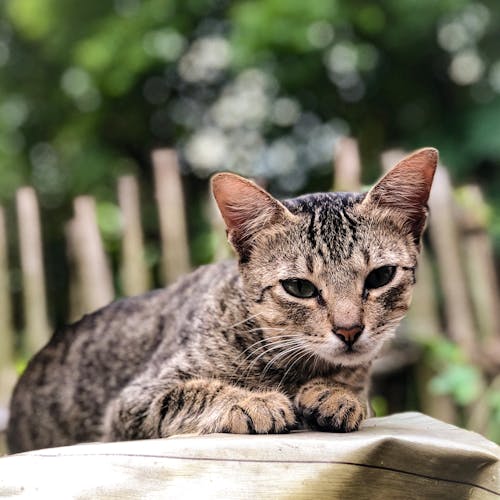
[282,338]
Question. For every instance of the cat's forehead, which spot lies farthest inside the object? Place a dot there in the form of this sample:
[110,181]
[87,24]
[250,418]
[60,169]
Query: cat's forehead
[329,226]
[328,203]
[341,219]
[337,236]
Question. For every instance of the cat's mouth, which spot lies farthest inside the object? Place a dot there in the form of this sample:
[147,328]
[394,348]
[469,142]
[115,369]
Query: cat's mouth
[355,354]
[353,357]
[352,351]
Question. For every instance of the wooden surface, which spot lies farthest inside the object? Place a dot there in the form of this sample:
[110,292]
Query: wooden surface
[407,455]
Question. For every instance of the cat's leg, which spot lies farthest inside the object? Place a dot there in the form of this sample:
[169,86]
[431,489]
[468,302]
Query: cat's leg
[195,406]
[328,406]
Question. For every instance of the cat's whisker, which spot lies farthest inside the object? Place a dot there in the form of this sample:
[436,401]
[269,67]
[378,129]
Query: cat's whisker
[291,344]
[266,339]
[252,348]
[282,356]
[266,350]
[297,348]
[299,355]
[292,354]
[282,328]
[267,342]
[248,318]
[306,352]
[317,359]
[277,344]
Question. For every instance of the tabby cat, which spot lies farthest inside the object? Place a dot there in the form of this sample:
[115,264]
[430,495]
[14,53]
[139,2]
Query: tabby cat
[282,338]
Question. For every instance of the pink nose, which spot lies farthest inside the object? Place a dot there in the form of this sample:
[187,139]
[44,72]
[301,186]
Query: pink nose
[349,334]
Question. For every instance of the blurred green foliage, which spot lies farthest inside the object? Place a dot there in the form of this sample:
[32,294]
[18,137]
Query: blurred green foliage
[456,377]
[379,406]
[89,87]
[463,382]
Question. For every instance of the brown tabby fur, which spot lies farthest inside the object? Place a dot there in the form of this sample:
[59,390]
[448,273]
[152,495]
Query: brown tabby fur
[226,348]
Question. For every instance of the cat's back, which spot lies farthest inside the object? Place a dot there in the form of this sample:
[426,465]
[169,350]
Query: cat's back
[65,387]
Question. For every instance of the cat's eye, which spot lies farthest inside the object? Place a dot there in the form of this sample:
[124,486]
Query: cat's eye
[303,289]
[380,277]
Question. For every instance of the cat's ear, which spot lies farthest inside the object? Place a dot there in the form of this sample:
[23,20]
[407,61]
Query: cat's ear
[406,187]
[245,208]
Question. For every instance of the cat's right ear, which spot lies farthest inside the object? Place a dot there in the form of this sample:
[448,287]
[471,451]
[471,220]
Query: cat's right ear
[245,208]
[406,187]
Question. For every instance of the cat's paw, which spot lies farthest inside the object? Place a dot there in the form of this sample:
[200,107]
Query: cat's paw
[259,413]
[330,409]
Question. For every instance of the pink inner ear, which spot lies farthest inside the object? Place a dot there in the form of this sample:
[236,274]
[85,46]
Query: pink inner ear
[408,184]
[243,205]
[406,188]
[417,171]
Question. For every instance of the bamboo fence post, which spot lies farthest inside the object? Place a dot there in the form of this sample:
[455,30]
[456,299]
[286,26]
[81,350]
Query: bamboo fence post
[7,365]
[423,315]
[134,272]
[347,165]
[76,306]
[34,293]
[480,262]
[173,227]
[391,157]
[445,239]
[92,268]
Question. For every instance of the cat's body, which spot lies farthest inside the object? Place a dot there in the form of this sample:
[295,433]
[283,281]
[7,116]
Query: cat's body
[285,336]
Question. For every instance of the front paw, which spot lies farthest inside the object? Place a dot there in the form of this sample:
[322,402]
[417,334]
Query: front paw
[331,410]
[265,413]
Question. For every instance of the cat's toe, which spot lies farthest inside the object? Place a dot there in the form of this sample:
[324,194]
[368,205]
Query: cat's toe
[268,413]
[334,411]
[340,413]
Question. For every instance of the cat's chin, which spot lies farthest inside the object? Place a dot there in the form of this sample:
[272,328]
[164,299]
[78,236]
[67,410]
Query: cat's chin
[350,358]
[344,357]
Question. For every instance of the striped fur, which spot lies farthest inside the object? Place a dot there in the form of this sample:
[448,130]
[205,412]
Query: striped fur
[226,348]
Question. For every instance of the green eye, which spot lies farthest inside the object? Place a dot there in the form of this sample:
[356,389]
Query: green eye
[380,277]
[297,287]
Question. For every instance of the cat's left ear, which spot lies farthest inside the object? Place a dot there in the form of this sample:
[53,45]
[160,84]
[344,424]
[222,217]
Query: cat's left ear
[246,208]
[406,188]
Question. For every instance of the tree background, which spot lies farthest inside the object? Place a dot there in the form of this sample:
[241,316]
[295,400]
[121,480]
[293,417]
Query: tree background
[263,88]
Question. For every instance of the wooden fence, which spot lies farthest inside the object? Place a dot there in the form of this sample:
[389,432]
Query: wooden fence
[456,297]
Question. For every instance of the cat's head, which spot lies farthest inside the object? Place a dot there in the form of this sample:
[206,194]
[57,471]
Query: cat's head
[332,273]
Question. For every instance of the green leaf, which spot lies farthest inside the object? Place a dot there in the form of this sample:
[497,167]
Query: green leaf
[462,382]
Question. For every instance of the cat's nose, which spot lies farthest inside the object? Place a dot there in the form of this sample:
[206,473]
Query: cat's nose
[349,334]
